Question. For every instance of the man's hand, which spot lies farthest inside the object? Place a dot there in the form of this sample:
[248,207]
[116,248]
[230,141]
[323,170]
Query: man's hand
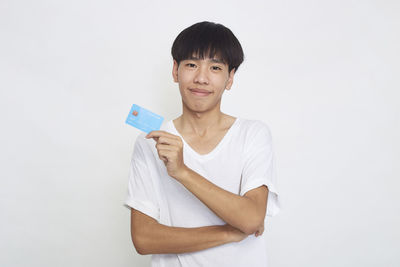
[260,231]
[170,150]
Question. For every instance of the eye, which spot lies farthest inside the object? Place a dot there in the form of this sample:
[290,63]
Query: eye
[216,68]
[190,65]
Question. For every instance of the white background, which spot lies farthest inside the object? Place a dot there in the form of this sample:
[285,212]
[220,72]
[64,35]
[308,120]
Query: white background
[324,75]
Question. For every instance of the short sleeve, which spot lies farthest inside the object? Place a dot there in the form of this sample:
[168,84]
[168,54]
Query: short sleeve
[141,187]
[259,166]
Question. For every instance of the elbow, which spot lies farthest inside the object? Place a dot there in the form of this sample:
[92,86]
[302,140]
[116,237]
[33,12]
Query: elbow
[140,250]
[249,230]
[139,246]
[252,228]
[141,228]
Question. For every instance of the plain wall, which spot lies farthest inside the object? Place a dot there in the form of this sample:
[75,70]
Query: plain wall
[324,75]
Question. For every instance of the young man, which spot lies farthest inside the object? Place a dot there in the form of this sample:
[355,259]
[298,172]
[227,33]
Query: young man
[199,186]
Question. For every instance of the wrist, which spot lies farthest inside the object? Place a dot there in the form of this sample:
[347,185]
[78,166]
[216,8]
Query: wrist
[184,172]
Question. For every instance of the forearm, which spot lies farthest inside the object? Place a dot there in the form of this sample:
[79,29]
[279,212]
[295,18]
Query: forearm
[238,211]
[162,239]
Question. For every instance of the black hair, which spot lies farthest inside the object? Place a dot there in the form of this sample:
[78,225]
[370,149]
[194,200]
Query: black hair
[207,40]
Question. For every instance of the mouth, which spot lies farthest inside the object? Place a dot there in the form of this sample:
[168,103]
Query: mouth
[200,92]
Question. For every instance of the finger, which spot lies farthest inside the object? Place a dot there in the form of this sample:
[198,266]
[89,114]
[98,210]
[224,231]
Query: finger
[165,147]
[169,141]
[164,154]
[165,137]
[161,133]
[261,232]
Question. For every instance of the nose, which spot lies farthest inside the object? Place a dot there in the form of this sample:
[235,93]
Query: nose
[201,76]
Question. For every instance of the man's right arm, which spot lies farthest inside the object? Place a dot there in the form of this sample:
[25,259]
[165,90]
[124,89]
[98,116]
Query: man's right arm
[151,237]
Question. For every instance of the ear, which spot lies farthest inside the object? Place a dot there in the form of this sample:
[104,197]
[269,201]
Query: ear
[175,71]
[230,79]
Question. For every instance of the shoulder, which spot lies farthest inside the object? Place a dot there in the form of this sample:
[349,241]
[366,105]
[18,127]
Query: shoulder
[256,135]
[256,128]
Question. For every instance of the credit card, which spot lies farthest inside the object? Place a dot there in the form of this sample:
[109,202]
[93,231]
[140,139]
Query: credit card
[144,119]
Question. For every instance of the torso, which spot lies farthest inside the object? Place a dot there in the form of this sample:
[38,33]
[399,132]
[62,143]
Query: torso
[206,144]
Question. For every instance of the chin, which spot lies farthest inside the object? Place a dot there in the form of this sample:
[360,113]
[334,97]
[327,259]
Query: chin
[196,107]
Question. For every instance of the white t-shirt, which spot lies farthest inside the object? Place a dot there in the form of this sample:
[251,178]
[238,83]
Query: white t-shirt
[243,160]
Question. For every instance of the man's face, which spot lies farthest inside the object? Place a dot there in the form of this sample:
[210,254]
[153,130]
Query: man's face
[206,74]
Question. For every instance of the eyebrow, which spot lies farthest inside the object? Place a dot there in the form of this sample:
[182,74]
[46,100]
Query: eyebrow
[215,60]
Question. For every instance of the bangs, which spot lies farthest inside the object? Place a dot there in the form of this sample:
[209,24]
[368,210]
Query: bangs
[208,40]
[204,52]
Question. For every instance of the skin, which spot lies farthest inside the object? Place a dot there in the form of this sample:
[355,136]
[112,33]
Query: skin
[201,123]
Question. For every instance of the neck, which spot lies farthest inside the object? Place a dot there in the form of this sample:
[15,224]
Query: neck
[200,123]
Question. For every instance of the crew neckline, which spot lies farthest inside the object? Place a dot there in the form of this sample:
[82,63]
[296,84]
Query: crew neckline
[216,149]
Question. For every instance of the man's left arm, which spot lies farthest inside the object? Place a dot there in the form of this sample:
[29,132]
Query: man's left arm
[245,213]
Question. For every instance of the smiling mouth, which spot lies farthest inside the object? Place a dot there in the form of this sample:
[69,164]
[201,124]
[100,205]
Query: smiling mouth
[200,92]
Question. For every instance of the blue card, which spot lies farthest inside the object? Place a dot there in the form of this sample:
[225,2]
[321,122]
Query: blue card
[144,119]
